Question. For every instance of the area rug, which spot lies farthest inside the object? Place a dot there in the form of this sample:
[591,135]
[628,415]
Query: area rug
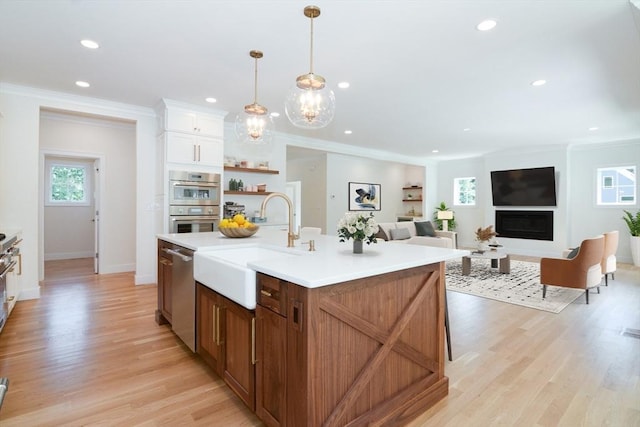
[522,286]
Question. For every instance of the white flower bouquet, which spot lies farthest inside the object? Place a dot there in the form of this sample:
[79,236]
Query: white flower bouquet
[358,226]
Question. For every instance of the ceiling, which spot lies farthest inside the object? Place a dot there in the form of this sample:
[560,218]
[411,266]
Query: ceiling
[420,72]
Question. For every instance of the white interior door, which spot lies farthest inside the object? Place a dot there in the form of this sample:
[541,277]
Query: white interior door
[96,215]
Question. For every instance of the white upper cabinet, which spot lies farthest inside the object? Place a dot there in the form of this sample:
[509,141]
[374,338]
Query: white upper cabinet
[191,136]
[179,117]
[191,122]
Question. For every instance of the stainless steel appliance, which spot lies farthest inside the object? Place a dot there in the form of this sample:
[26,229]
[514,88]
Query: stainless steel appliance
[183,295]
[194,201]
[8,249]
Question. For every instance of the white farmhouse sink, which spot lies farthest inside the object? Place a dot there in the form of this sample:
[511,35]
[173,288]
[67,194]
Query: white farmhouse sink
[226,272]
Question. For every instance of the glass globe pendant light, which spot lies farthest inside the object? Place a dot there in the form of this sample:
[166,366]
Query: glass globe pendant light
[310,104]
[254,124]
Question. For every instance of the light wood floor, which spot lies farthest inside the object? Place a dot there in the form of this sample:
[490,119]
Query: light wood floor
[88,352]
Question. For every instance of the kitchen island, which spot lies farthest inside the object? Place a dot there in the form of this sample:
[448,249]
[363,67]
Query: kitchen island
[339,338]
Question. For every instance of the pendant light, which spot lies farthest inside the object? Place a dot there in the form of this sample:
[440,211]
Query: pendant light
[310,104]
[254,124]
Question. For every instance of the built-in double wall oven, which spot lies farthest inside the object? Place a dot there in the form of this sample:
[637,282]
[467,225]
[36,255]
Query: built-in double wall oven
[194,201]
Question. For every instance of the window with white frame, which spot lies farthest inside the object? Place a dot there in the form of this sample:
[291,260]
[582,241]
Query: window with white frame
[464,191]
[68,184]
[616,186]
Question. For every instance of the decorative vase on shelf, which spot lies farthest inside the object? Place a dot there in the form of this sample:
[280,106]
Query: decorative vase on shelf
[357,246]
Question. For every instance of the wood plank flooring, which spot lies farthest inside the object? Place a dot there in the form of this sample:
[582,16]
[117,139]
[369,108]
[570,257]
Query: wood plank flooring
[88,352]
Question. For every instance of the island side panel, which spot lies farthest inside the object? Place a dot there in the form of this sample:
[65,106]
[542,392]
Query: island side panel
[373,347]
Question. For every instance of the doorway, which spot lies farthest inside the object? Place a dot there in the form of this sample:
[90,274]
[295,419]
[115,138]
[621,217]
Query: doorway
[71,227]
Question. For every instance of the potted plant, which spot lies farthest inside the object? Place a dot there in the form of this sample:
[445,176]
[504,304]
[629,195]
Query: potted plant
[633,222]
[438,222]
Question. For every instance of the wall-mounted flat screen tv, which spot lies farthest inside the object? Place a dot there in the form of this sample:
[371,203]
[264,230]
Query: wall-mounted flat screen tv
[524,187]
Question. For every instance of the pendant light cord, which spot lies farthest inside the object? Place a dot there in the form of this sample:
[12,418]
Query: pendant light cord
[255,85]
[311,49]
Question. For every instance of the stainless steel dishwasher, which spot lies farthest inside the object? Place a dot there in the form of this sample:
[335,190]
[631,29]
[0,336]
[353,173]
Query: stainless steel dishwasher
[183,295]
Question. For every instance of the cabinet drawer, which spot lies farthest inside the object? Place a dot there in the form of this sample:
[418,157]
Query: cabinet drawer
[272,294]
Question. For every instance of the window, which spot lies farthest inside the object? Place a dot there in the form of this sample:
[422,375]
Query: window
[68,184]
[464,191]
[616,186]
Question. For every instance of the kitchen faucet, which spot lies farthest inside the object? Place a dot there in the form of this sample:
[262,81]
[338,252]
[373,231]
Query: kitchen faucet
[291,235]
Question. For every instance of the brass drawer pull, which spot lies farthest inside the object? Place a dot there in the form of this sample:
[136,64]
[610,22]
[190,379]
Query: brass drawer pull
[266,293]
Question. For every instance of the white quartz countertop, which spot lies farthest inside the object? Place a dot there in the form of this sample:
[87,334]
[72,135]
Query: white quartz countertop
[332,262]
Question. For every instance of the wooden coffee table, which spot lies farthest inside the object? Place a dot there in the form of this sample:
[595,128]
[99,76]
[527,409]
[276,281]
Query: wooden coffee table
[498,259]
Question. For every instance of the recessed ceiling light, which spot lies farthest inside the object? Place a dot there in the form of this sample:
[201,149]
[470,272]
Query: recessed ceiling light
[82,84]
[348,132]
[89,44]
[435,151]
[538,82]
[343,85]
[594,128]
[486,25]
[275,114]
[211,100]
[466,129]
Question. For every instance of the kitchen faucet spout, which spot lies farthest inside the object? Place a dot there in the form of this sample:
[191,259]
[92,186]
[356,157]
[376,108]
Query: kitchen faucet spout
[291,235]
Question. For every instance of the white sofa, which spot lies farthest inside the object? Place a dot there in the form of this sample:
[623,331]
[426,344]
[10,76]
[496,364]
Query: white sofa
[442,239]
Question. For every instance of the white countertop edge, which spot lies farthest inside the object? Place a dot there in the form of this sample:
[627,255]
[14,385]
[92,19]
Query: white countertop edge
[273,268]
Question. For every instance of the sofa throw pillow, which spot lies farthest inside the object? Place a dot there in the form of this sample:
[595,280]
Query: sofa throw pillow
[400,234]
[381,234]
[425,228]
[573,253]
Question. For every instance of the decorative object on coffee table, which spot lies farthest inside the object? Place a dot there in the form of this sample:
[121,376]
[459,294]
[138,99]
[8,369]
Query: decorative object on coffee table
[483,236]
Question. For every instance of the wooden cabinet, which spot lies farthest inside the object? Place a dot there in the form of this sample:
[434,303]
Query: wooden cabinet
[193,149]
[364,352]
[271,369]
[165,266]
[271,343]
[226,341]
[209,326]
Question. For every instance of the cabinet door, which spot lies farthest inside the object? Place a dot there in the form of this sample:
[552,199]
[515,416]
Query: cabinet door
[181,121]
[165,266]
[271,368]
[209,324]
[239,339]
[181,148]
[210,151]
[209,125]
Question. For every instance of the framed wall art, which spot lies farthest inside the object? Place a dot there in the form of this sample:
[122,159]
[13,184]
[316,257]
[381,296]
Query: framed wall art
[364,196]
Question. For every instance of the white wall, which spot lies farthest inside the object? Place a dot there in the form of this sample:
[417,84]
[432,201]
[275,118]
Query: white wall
[468,218]
[342,169]
[20,181]
[576,216]
[586,219]
[312,173]
[275,154]
[114,142]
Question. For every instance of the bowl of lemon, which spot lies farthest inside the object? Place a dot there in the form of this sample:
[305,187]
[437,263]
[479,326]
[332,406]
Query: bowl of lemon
[237,227]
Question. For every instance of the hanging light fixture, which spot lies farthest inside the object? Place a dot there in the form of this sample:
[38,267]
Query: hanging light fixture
[254,124]
[310,104]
